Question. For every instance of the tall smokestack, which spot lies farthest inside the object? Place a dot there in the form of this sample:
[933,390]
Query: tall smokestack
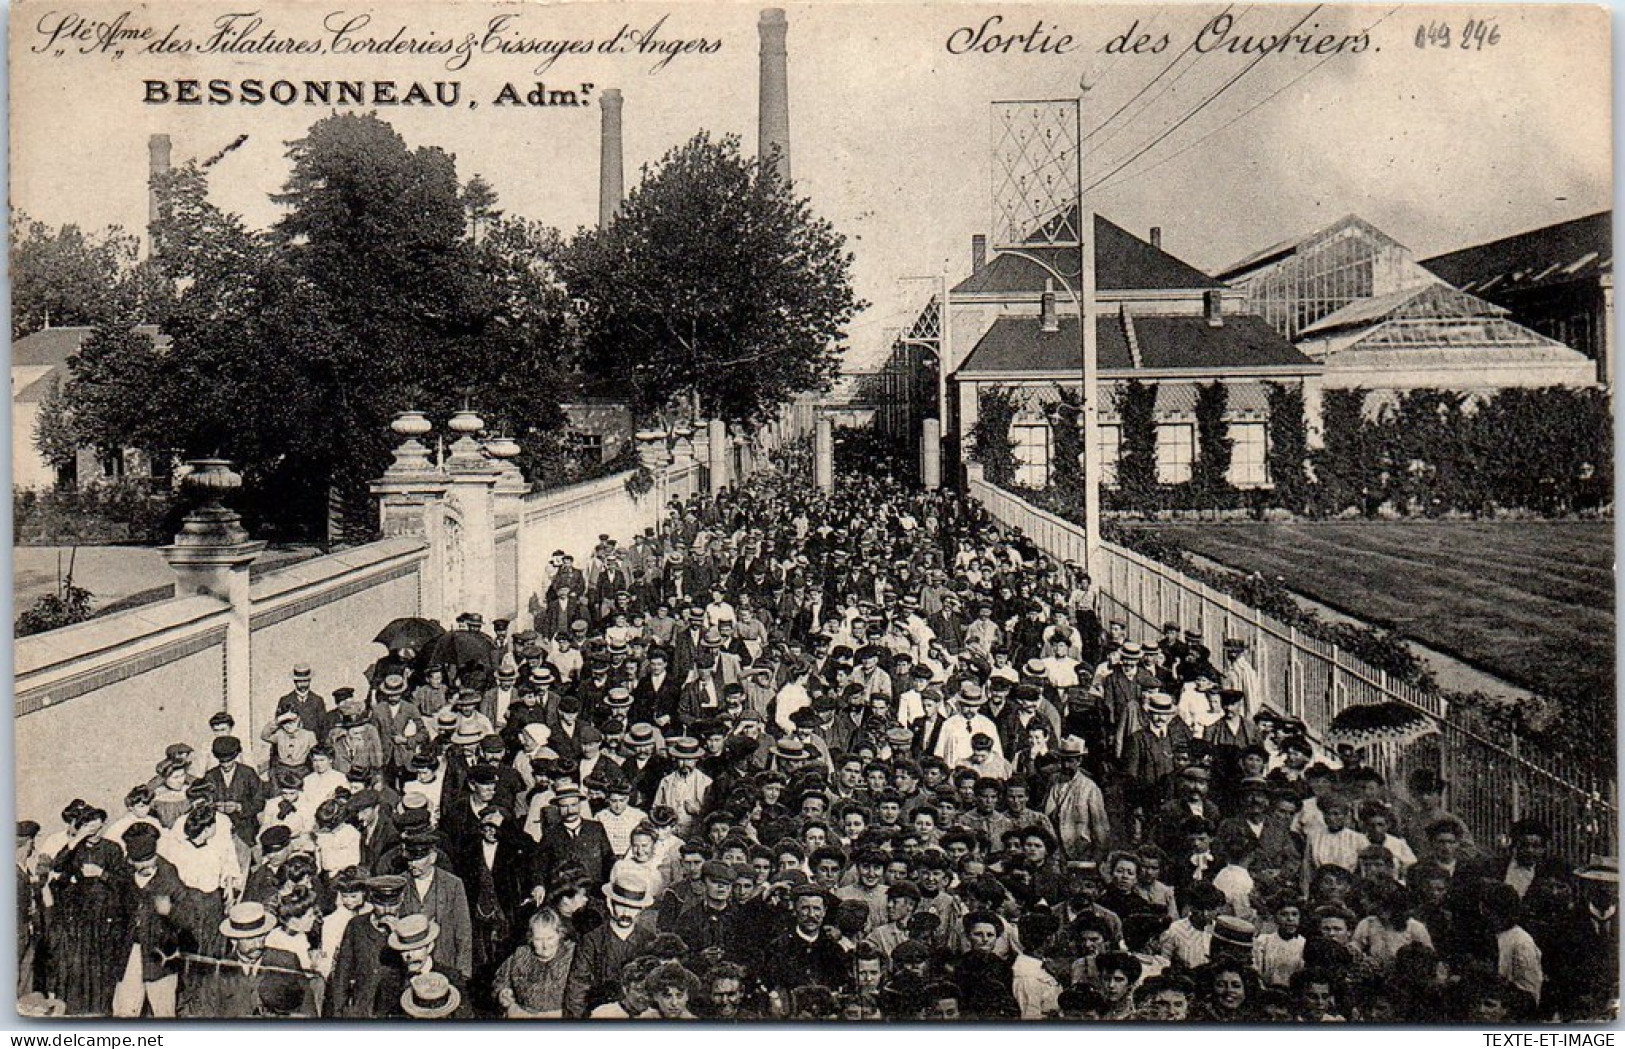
[773,126]
[610,187]
[158,150]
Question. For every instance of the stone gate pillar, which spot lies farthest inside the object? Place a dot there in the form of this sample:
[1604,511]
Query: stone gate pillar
[470,538]
[718,452]
[211,556]
[931,454]
[824,453]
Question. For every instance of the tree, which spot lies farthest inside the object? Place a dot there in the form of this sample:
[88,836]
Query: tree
[1064,416]
[991,443]
[479,206]
[1287,443]
[1348,469]
[62,277]
[290,351]
[1137,455]
[1214,446]
[715,286]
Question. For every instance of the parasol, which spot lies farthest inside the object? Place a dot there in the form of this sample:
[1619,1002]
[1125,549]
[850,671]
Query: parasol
[409,632]
[1372,723]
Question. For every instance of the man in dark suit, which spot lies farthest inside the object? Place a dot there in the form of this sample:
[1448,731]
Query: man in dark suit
[655,697]
[379,835]
[364,955]
[1268,832]
[311,708]
[568,575]
[805,954]
[715,920]
[603,951]
[564,606]
[239,789]
[611,581]
[435,892]
[1148,755]
[687,641]
[157,935]
[460,813]
[574,838]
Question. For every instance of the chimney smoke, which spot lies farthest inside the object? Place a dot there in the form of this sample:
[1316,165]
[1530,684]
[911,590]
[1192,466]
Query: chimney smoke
[773,118]
[610,187]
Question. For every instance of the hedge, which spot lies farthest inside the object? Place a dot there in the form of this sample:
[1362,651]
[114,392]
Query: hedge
[1424,453]
[1558,724]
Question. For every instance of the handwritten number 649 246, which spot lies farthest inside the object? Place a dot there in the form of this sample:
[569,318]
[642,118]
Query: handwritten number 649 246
[1475,34]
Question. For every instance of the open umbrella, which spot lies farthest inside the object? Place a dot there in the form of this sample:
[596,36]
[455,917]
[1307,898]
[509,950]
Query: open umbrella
[1371,723]
[410,632]
[461,651]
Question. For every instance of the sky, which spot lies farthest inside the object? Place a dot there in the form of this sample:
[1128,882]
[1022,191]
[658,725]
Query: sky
[1441,145]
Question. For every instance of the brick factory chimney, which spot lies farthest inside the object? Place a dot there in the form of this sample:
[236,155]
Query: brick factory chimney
[158,151]
[773,121]
[978,252]
[610,187]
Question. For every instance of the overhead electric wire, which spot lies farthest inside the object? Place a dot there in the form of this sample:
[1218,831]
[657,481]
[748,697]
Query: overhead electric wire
[1148,84]
[1246,112]
[1209,100]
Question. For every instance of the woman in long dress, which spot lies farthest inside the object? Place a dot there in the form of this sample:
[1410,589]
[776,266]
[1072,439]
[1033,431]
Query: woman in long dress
[93,916]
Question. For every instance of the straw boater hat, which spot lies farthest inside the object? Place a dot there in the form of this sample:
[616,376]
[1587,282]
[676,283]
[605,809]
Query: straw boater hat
[1234,932]
[393,685]
[430,996]
[414,932]
[1602,869]
[466,734]
[1159,703]
[789,749]
[685,747]
[246,921]
[630,889]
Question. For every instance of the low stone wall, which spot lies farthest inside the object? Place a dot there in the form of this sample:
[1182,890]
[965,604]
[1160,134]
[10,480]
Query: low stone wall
[97,702]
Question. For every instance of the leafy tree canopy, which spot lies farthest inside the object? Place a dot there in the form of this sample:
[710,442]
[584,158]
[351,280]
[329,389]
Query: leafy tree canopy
[715,285]
[63,277]
[290,351]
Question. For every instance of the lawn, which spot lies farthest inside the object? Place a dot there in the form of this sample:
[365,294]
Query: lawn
[1530,601]
[116,576]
